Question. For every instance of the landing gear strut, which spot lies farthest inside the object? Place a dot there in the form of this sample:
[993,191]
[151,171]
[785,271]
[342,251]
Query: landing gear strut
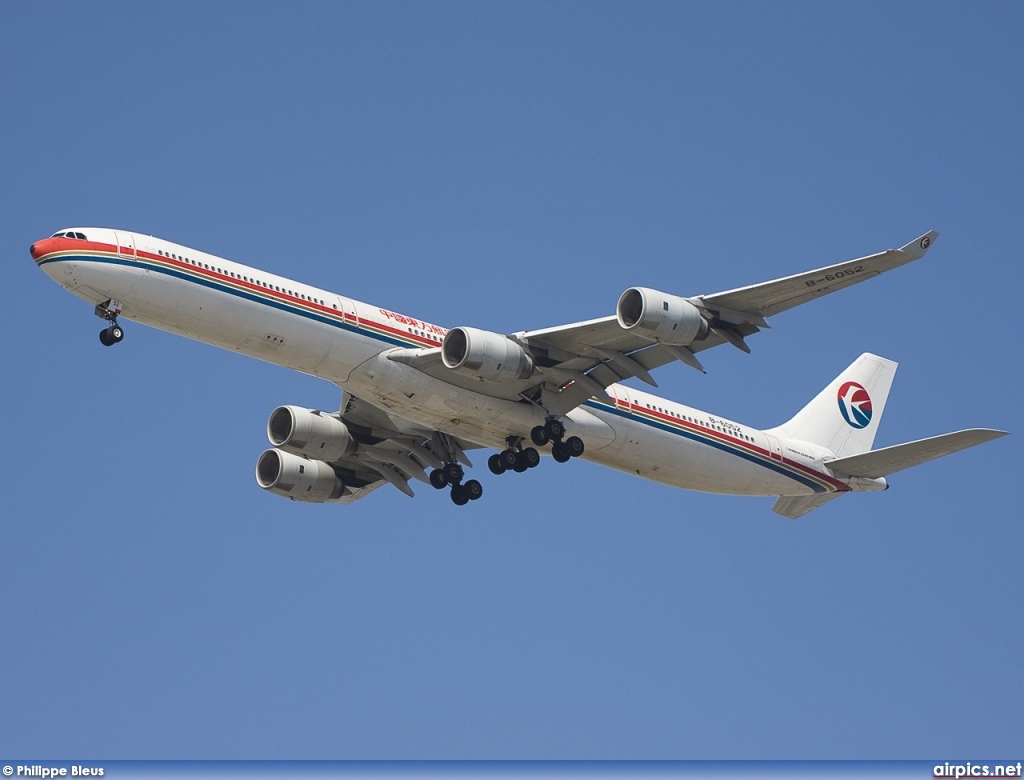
[113,333]
[552,431]
[451,473]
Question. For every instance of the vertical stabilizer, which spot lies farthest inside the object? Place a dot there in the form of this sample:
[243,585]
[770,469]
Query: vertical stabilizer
[844,416]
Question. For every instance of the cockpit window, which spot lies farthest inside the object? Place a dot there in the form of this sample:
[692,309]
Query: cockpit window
[69,234]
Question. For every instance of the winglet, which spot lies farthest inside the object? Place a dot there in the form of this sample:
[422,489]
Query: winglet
[919,246]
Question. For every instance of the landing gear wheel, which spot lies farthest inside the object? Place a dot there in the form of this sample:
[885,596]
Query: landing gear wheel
[453,473]
[538,436]
[559,453]
[574,446]
[554,429]
[437,479]
[495,464]
[108,311]
[509,458]
[530,457]
[520,466]
[460,495]
[473,489]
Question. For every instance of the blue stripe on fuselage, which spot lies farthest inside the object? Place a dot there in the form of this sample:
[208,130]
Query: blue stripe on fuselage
[711,442]
[221,287]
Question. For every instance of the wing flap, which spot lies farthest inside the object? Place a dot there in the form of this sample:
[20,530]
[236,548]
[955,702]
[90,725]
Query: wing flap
[889,460]
[390,449]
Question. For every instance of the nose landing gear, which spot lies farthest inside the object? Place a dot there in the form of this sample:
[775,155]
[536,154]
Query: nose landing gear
[113,333]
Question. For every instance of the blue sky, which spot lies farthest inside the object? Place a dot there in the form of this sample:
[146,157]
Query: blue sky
[512,166]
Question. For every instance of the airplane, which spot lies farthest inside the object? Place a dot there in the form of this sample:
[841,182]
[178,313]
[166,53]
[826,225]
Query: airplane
[416,397]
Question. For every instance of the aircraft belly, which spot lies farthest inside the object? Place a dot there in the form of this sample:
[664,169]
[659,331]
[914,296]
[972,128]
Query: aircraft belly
[94,282]
[482,419]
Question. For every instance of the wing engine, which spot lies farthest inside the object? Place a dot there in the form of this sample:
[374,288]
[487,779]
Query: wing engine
[486,356]
[660,317]
[310,433]
[298,478]
[341,457]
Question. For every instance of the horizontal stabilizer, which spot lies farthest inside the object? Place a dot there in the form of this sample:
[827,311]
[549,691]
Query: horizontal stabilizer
[889,460]
[798,506]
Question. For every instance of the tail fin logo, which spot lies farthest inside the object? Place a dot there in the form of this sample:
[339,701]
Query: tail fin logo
[855,404]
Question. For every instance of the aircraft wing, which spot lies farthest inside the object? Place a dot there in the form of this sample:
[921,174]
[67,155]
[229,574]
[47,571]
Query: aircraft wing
[602,352]
[770,298]
[577,361]
[391,450]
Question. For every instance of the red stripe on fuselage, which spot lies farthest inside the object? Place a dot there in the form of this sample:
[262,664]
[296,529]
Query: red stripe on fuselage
[61,245]
[739,443]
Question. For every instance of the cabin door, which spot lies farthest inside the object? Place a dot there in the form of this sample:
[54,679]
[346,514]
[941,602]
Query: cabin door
[125,245]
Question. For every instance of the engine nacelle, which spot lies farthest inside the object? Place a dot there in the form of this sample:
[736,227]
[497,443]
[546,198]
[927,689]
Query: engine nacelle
[485,355]
[658,316]
[297,478]
[306,432]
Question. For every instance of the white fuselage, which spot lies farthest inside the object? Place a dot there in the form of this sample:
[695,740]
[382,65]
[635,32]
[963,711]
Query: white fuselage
[307,329]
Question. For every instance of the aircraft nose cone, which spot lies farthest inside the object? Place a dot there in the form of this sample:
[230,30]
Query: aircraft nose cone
[40,248]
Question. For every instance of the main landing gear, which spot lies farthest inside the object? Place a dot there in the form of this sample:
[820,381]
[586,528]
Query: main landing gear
[113,333]
[515,458]
[518,458]
[553,431]
[451,474]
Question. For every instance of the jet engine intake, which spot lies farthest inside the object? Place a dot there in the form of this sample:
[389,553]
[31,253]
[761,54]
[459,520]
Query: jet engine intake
[297,478]
[658,316]
[485,355]
[310,433]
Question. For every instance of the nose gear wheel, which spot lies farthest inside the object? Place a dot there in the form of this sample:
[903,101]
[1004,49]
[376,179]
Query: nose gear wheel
[113,333]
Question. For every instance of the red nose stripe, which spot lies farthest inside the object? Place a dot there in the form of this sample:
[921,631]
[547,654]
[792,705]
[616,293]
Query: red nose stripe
[43,247]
